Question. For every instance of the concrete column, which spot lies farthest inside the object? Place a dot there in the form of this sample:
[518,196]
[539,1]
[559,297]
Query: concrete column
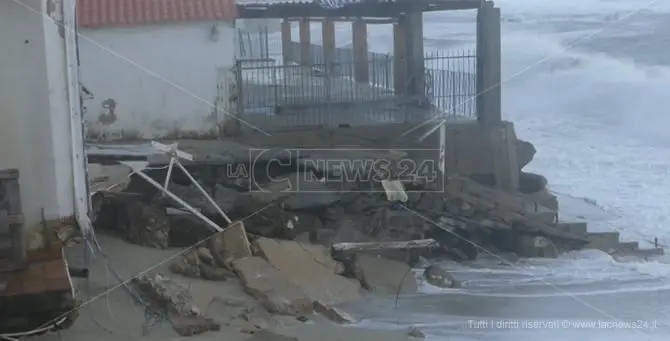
[305,41]
[328,39]
[359,31]
[413,25]
[489,106]
[399,57]
[505,159]
[286,41]
[39,109]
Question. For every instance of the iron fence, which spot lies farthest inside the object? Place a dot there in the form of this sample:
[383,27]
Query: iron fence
[340,91]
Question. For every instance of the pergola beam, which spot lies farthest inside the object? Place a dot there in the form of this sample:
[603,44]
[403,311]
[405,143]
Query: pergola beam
[363,9]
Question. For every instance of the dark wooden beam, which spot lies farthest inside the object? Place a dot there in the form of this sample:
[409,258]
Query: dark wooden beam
[363,9]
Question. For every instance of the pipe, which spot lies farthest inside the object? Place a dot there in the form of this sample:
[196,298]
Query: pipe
[178,200]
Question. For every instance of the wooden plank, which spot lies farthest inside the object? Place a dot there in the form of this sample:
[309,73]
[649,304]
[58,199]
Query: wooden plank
[410,244]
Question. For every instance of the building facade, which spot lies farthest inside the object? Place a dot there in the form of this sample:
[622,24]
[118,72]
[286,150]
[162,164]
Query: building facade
[156,69]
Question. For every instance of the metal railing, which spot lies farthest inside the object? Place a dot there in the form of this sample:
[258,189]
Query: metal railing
[340,91]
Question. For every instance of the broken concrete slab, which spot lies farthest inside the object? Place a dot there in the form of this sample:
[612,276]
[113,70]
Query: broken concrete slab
[310,267]
[176,299]
[188,264]
[384,276]
[604,241]
[272,288]
[334,314]
[230,244]
[296,191]
[192,325]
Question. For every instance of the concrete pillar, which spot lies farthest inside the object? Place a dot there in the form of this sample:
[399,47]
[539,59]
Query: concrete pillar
[359,31]
[328,39]
[505,159]
[40,117]
[489,106]
[399,57]
[305,41]
[286,41]
[413,26]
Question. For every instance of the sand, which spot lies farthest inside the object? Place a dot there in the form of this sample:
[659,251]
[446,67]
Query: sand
[114,315]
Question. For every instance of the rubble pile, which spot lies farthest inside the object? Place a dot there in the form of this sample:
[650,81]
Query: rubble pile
[303,242]
[317,204]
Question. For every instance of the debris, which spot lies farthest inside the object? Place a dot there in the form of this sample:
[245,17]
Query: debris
[214,273]
[278,294]
[439,277]
[415,333]
[310,267]
[176,300]
[384,276]
[187,264]
[395,191]
[334,314]
[230,244]
[143,224]
[535,246]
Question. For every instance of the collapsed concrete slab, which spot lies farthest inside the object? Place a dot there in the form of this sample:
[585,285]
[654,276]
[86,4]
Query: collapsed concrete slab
[230,244]
[334,314]
[274,290]
[167,295]
[384,276]
[310,267]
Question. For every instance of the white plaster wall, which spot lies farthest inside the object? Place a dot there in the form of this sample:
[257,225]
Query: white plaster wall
[35,134]
[161,78]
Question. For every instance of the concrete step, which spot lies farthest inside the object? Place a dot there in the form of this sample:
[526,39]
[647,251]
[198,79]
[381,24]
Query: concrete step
[579,228]
[640,253]
[546,217]
[628,246]
[604,241]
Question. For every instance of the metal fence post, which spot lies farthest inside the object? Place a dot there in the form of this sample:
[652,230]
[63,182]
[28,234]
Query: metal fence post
[240,92]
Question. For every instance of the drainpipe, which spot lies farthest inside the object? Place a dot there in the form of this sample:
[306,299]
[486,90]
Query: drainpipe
[79,176]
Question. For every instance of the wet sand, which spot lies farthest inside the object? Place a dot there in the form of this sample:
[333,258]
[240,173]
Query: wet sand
[115,316]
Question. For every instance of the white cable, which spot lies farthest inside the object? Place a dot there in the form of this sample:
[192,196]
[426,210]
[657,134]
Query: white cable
[175,198]
[209,198]
[15,336]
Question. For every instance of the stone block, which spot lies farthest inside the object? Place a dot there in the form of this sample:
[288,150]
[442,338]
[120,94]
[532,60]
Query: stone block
[274,290]
[310,267]
[384,276]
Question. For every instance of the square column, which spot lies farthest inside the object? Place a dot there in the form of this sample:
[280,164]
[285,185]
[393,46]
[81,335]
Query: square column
[489,97]
[286,41]
[305,41]
[359,32]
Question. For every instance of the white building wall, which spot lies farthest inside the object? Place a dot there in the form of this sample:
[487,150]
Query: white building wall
[160,80]
[35,131]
